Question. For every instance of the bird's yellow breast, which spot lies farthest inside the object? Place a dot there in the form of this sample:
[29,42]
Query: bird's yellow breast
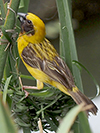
[21,44]
[36,73]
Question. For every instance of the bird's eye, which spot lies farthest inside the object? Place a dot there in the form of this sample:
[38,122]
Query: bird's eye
[29,21]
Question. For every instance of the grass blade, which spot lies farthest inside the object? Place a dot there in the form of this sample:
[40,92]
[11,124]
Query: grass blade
[85,128]
[6,88]
[6,123]
[69,119]
[94,80]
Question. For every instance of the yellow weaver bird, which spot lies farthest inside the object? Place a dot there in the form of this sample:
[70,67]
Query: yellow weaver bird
[43,62]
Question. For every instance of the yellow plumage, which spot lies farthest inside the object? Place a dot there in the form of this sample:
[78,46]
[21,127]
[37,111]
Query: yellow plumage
[43,62]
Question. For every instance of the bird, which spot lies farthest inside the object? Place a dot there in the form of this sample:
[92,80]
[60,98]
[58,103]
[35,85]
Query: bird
[44,63]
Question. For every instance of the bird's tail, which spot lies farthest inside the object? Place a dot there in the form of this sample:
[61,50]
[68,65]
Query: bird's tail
[79,98]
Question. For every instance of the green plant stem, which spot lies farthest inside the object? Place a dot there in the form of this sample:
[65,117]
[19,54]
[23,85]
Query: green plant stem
[3,11]
[67,41]
[84,124]
[67,45]
[9,24]
[13,61]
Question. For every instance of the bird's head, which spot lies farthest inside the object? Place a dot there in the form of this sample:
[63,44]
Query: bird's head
[32,27]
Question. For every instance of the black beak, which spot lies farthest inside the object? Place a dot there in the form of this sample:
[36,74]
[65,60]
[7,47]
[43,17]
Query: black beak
[22,17]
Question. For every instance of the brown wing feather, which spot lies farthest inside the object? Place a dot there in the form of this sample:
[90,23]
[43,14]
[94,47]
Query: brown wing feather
[59,72]
[56,69]
[30,58]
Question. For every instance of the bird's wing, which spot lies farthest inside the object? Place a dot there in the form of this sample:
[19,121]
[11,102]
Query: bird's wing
[56,69]
[30,58]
